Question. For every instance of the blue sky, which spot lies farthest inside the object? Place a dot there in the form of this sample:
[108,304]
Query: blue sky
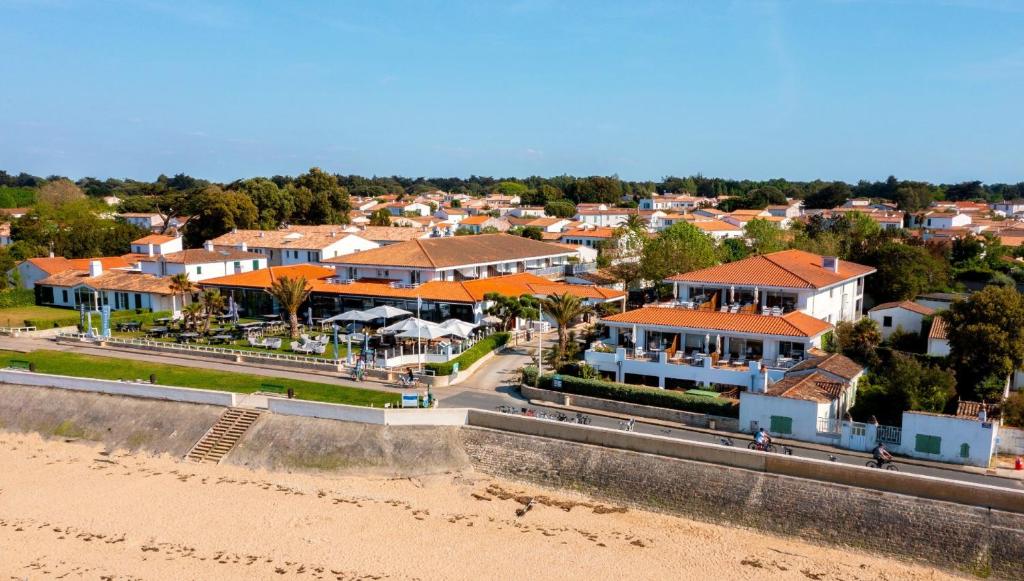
[841,89]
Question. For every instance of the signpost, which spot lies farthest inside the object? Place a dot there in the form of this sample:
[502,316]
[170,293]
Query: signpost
[556,382]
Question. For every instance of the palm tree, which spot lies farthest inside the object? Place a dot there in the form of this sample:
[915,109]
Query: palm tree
[635,222]
[290,293]
[181,285]
[564,309]
[213,303]
[191,314]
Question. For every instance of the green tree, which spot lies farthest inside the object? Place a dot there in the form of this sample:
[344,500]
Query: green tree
[273,204]
[290,293]
[180,285]
[564,309]
[380,217]
[1013,410]
[764,236]
[511,189]
[902,384]
[903,272]
[217,212]
[213,304]
[508,308]
[733,249]
[986,340]
[532,232]
[679,248]
[832,195]
[858,340]
[560,209]
[320,199]
[621,255]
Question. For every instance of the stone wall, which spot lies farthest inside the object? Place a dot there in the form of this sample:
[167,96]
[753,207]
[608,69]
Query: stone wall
[632,409]
[970,539]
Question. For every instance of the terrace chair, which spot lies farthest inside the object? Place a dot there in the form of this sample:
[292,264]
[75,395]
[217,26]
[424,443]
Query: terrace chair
[776,311]
[724,309]
[319,348]
[274,343]
[734,309]
[296,348]
[323,339]
[766,311]
[256,342]
[305,338]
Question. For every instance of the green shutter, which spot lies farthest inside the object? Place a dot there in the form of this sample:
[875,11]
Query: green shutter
[965,450]
[928,444]
[782,425]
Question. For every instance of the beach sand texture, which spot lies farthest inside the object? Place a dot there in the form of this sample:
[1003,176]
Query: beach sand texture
[72,510]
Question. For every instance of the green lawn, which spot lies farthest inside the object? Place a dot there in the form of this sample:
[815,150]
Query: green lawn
[16,316]
[243,345]
[63,363]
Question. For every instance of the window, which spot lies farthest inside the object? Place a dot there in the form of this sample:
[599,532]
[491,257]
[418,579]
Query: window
[64,296]
[781,425]
[199,270]
[887,321]
[238,265]
[965,450]
[138,301]
[255,264]
[928,444]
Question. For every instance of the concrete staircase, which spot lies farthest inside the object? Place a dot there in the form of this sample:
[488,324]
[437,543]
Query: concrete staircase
[223,436]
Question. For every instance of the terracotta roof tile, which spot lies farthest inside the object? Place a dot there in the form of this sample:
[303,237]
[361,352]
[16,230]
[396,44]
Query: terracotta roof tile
[203,256]
[153,239]
[908,305]
[54,265]
[834,363]
[787,269]
[794,324]
[117,280]
[453,252]
[938,329]
[811,387]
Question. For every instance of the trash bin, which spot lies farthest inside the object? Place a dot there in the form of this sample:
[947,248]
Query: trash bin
[711,424]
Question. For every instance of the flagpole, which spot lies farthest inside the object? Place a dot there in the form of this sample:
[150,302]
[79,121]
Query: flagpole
[419,336]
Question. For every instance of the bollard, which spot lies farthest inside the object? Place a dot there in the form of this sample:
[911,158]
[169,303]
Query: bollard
[1018,464]
[291,393]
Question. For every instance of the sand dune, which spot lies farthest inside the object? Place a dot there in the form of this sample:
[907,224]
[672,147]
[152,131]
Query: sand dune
[75,511]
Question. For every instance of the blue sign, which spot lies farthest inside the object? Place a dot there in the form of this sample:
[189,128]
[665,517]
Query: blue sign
[556,382]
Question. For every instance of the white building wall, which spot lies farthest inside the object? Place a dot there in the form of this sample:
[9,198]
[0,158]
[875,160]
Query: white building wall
[908,321]
[954,432]
[938,347]
[757,409]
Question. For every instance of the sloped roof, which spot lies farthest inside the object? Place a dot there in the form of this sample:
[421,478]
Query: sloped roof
[811,387]
[117,280]
[793,324]
[263,277]
[153,239]
[908,305]
[453,252]
[834,363]
[388,233]
[56,264]
[938,328]
[788,269]
[204,256]
[295,237]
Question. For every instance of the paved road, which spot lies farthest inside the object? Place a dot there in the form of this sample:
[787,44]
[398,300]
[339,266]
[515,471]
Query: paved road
[493,385]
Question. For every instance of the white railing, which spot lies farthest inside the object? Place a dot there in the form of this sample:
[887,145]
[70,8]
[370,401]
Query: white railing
[889,434]
[15,330]
[829,426]
[191,348]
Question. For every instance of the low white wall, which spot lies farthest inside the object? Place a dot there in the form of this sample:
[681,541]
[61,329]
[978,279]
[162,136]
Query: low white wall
[1010,441]
[184,394]
[954,432]
[380,416]
[757,407]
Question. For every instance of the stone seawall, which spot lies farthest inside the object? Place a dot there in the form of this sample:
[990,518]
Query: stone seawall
[969,539]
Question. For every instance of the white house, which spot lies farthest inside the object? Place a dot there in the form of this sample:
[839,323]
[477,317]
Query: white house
[941,220]
[906,316]
[95,287]
[453,215]
[609,218]
[962,439]
[823,287]
[454,259]
[203,263]
[33,270]
[527,212]
[156,244]
[296,244]
[1009,207]
[718,229]
[938,344]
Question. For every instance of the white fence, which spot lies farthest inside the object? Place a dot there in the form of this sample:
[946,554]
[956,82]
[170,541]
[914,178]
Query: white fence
[379,416]
[129,388]
[1011,441]
[193,348]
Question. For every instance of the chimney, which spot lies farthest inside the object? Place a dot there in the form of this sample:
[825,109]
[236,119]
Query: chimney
[149,250]
[208,245]
[830,263]
[95,268]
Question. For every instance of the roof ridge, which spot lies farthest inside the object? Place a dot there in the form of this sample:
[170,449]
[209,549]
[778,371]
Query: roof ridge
[791,250]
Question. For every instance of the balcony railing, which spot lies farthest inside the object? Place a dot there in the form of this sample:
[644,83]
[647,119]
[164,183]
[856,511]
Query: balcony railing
[832,426]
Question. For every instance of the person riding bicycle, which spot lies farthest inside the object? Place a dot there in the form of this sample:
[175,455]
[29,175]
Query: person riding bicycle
[881,455]
[762,439]
[408,376]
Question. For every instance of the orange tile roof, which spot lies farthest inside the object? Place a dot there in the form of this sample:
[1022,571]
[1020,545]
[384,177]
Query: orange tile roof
[453,252]
[153,239]
[794,324]
[715,226]
[603,233]
[938,330]
[786,269]
[835,363]
[475,220]
[442,291]
[56,264]
[118,280]
[908,305]
[814,387]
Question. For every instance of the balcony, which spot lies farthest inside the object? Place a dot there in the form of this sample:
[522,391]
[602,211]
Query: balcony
[699,368]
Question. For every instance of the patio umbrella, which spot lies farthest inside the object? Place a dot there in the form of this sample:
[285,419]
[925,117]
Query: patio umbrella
[460,328]
[491,320]
[357,316]
[427,332]
[412,323]
[309,316]
[386,312]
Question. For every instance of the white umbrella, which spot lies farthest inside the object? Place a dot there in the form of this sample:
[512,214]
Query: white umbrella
[460,328]
[358,316]
[386,312]
[410,324]
[427,332]
[491,320]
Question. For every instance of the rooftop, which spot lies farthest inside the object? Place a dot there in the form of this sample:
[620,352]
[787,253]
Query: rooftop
[117,280]
[454,252]
[154,239]
[301,237]
[907,305]
[793,324]
[55,264]
[938,328]
[786,269]
[203,256]
[834,363]
[811,387]
[388,233]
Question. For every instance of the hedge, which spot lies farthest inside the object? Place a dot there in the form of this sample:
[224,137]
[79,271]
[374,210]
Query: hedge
[664,398]
[471,355]
[17,297]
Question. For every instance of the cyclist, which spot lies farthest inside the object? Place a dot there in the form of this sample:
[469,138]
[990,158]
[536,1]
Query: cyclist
[762,439]
[409,377]
[881,455]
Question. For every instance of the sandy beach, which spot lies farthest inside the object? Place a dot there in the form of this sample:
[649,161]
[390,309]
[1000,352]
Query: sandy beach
[76,511]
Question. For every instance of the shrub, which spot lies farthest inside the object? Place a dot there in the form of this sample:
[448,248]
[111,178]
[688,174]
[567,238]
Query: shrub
[471,355]
[17,297]
[641,395]
[73,319]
